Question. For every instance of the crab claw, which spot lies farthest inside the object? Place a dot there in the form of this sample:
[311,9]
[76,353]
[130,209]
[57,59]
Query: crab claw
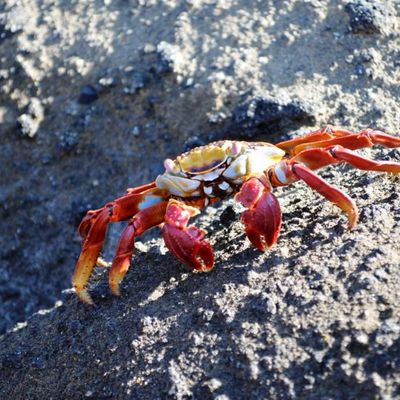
[263,217]
[186,242]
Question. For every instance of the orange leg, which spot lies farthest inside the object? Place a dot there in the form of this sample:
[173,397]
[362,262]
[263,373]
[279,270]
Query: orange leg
[141,222]
[288,171]
[320,157]
[330,136]
[360,162]
[330,192]
[94,226]
[128,204]
[301,166]
[326,133]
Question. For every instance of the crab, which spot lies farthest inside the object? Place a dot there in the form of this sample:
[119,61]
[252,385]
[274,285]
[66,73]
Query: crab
[204,175]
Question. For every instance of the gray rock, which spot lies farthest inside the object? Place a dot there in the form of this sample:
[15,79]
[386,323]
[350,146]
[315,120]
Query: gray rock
[256,115]
[370,16]
[30,121]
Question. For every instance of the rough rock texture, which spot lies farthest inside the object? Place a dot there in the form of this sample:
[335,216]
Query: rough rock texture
[93,96]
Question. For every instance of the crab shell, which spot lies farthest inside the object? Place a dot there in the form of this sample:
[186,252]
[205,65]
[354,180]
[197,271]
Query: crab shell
[218,169]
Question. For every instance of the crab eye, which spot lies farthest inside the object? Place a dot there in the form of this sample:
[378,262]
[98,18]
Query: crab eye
[203,160]
[236,148]
[169,165]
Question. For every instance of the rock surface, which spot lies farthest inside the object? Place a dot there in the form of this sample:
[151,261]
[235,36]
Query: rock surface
[93,96]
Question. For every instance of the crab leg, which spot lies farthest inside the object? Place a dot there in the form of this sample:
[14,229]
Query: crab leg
[186,242]
[288,171]
[367,138]
[128,203]
[94,226]
[331,136]
[141,222]
[330,192]
[317,158]
[263,216]
[325,133]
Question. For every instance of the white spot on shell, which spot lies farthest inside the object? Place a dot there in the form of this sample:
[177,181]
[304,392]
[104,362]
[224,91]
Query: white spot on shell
[280,174]
[224,186]
[208,190]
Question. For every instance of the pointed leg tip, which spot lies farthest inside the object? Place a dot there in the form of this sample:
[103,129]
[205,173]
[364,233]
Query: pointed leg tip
[353,219]
[116,291]
[207,267]
[260,248]
[84,296]
[270,245]
[261,244]
[115,287]
[352,214]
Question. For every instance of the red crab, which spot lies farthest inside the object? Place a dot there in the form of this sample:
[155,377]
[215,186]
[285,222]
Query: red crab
[209,173]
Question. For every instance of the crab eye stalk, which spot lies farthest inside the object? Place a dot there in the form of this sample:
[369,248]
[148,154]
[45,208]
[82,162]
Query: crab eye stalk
[169,165]
[236,148]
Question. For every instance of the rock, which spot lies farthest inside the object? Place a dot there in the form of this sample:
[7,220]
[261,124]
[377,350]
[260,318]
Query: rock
[16,19]
[262,114]
[369,16]
[88,95]
[29,122]
[136,130]
[171,57]
[108,81]
[134,82]
[68,140]
[27,125]
[5,32]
